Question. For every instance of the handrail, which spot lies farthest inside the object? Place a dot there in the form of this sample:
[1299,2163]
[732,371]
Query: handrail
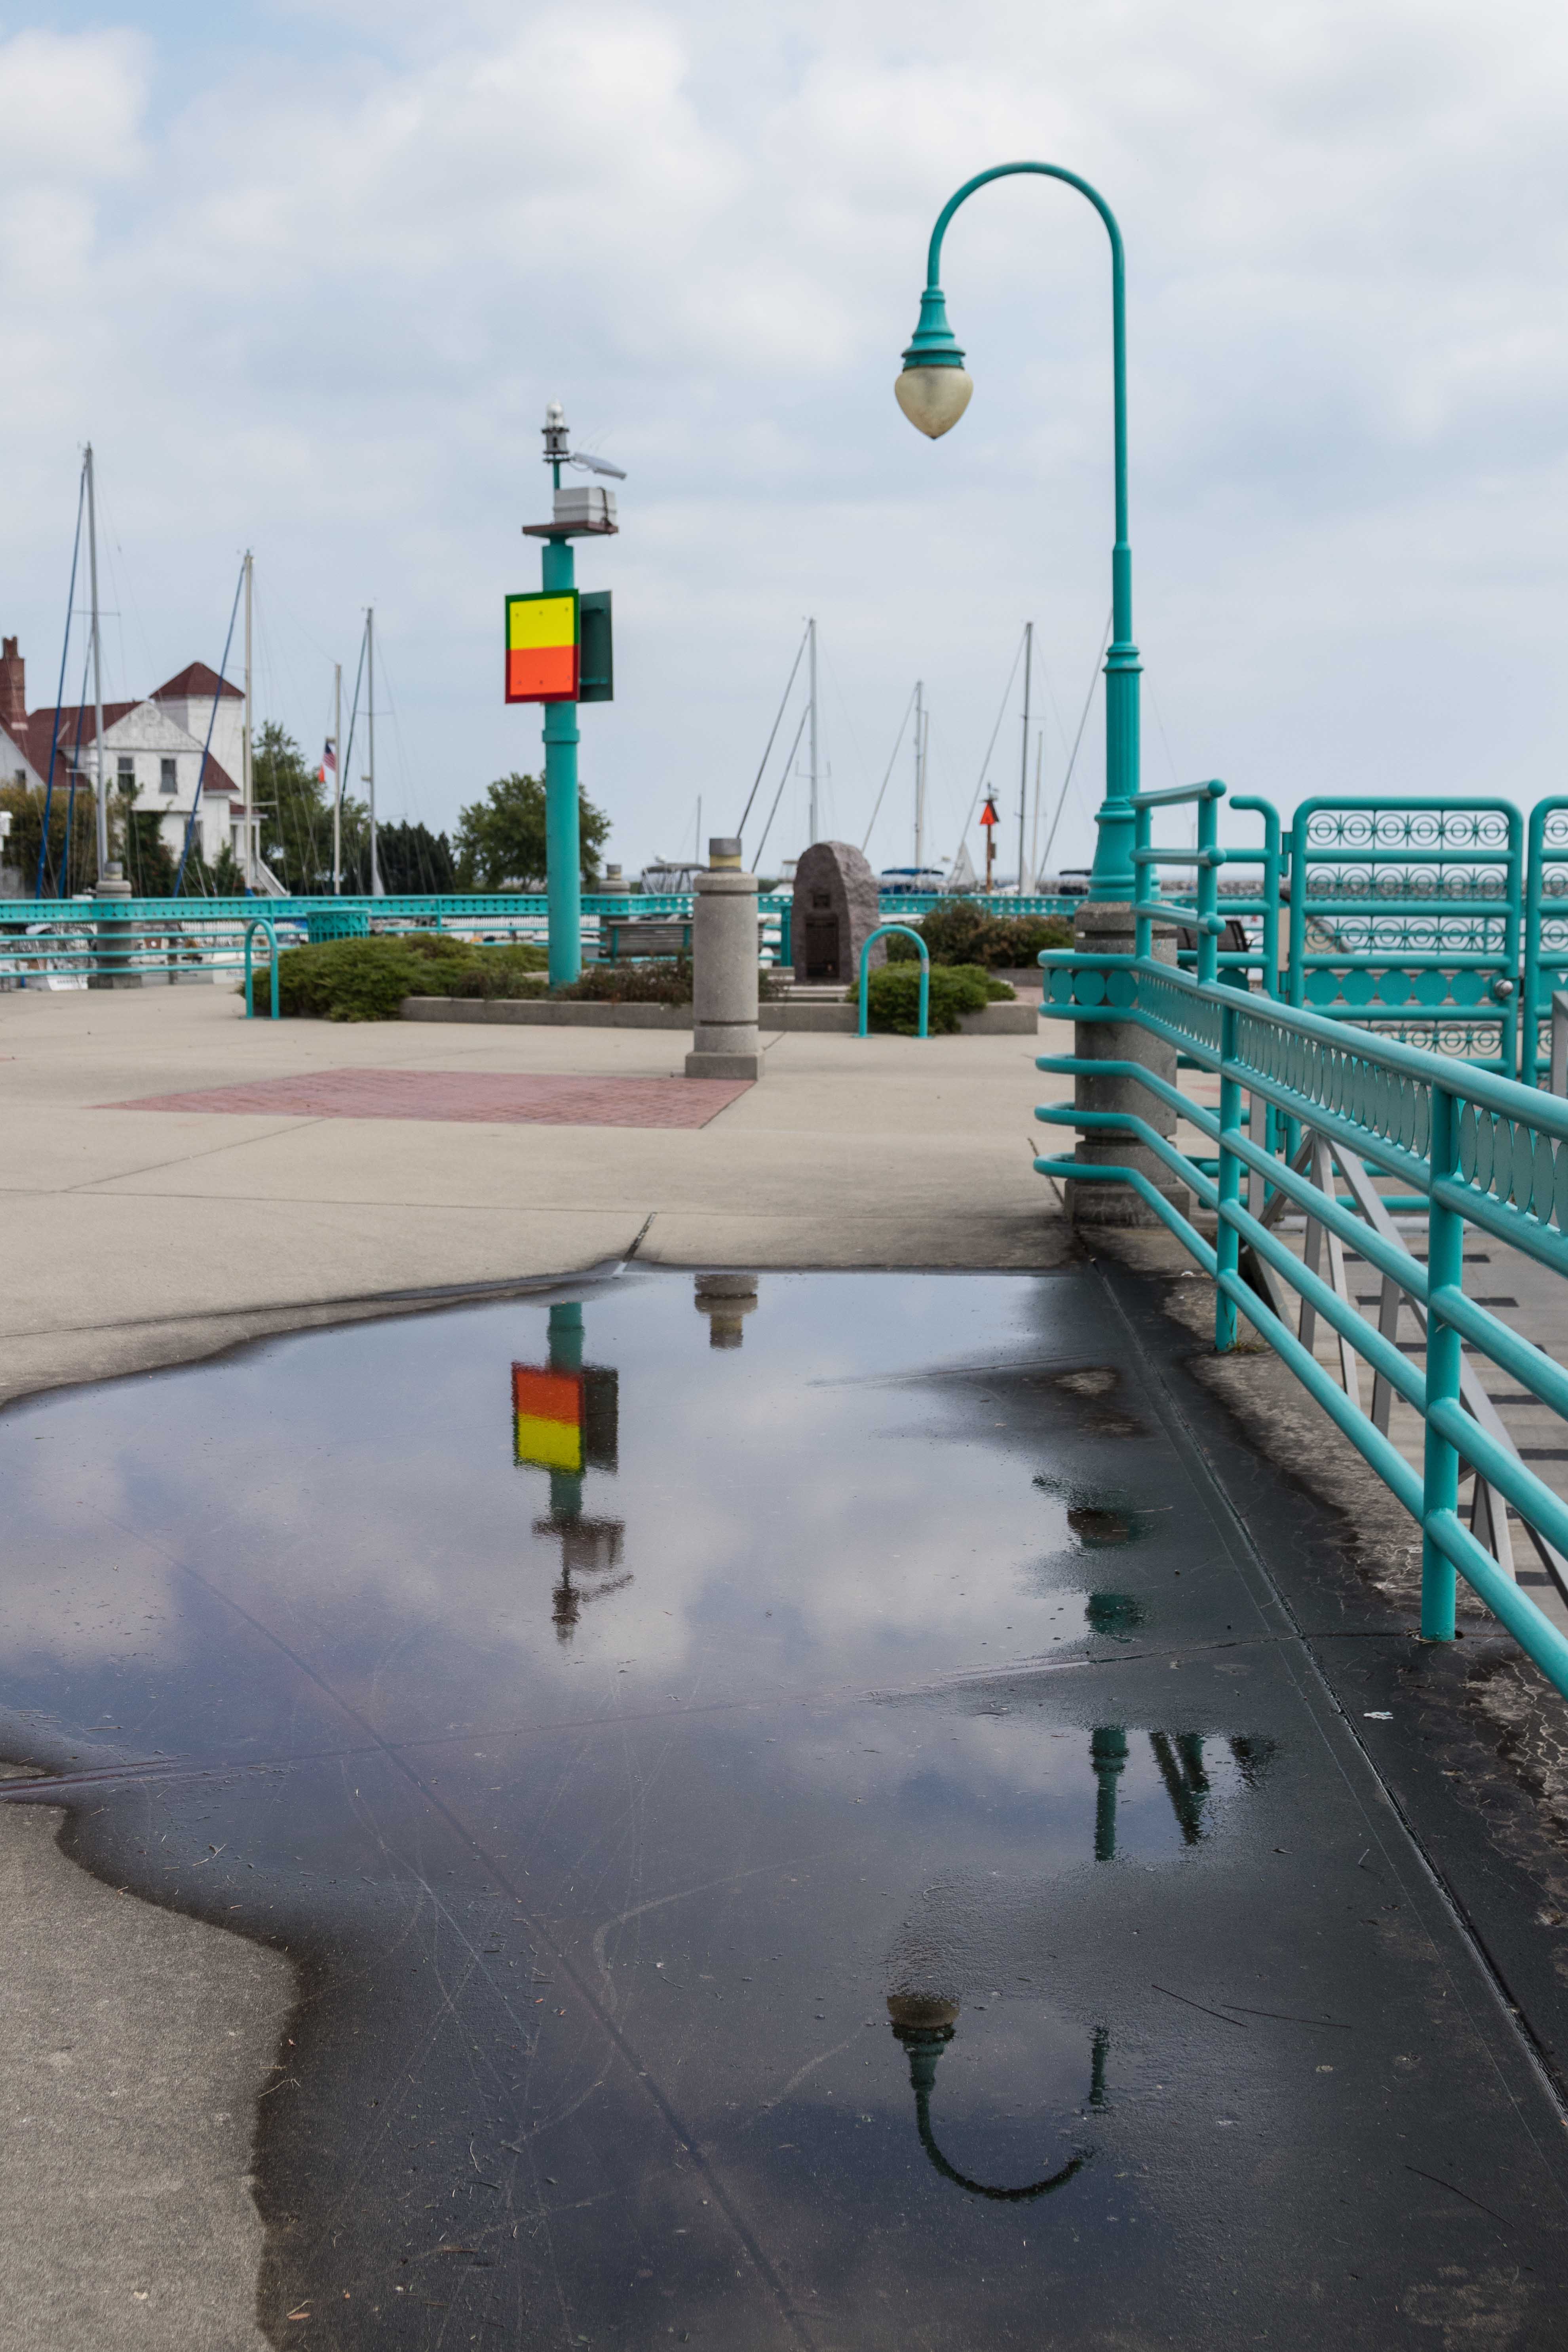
[260,923]
[880,932]
[1475,1148]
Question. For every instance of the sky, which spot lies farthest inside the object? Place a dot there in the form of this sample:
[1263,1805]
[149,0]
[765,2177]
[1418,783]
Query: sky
[307,273]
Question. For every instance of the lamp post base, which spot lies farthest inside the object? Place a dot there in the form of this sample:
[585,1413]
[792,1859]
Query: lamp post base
[1107,927]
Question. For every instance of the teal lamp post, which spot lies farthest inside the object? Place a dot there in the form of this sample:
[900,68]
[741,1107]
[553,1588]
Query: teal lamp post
[933,392]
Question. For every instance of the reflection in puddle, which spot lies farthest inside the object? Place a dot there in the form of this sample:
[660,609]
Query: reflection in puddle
[566,1420]
[925,2024]
[726,1300]
[1183,1774]
[595,1909]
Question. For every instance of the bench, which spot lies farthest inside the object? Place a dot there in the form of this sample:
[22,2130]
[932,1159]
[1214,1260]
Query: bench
[630,936]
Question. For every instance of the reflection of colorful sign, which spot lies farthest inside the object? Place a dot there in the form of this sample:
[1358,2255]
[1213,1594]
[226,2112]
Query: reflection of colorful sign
[564,1420]
[547,1409]
[541,640]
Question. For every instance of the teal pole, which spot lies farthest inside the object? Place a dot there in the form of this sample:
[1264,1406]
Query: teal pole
[933,344]
[563,848]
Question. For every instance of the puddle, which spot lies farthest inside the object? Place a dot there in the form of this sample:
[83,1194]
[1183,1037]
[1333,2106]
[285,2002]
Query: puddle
[780,1797]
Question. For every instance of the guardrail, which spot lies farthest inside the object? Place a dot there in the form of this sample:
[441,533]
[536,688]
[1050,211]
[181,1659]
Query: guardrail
[865,945]
[1469,1149]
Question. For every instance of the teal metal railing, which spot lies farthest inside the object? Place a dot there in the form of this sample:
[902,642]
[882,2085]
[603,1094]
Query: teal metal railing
[865,945]
[1406,915]
[1545,973]
[1474,1149]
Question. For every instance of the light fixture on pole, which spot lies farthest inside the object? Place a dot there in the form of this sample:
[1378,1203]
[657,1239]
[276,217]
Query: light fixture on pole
[559,652]
[933,392]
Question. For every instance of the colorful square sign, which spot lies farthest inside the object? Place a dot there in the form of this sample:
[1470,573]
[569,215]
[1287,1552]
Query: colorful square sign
[541,646]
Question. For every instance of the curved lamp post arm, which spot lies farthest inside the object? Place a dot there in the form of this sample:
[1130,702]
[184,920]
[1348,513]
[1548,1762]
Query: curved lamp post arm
[1122,621]
[933,347]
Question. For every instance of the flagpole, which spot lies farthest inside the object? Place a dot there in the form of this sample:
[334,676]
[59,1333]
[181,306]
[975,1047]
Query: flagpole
[338,779]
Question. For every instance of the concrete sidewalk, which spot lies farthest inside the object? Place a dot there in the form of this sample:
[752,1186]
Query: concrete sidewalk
[141,1238]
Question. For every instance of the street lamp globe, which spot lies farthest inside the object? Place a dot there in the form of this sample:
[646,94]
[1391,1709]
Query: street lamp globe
[933,398]
[933,390]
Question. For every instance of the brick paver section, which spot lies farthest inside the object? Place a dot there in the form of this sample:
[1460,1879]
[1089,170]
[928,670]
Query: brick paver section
[488,1098]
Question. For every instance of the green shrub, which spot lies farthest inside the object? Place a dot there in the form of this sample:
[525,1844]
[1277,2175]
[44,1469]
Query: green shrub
[651,980]
[893,997]
[367,979]
[347,980]
[961,931]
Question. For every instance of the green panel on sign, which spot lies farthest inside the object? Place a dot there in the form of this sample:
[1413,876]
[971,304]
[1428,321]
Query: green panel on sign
[596,675]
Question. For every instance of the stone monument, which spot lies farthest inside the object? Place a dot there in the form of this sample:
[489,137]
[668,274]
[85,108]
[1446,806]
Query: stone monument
[836,908]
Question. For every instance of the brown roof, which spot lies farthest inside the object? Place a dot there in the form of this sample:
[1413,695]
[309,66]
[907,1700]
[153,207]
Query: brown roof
[194,684]
[41,727]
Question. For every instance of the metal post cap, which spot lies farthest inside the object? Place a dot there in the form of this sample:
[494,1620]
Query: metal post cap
[724,850]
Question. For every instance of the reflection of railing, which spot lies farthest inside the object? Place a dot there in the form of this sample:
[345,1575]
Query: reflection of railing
[1472,1149]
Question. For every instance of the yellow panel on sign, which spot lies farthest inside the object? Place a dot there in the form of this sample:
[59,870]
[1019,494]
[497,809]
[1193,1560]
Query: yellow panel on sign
[549,1444]
[540,621]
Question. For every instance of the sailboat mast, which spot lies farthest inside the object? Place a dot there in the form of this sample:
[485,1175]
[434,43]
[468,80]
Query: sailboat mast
[246,749]
[1024,752]
[370,722]
[337,778]
[919,774]
[812,825]
[96,674]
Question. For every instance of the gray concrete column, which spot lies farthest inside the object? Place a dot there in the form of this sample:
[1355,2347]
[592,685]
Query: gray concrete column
[111,965]
[1102,926]
[724,956]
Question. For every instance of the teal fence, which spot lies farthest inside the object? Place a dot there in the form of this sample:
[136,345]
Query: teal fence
[1346,1110]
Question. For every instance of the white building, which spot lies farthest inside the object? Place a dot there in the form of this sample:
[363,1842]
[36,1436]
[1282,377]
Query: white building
[155,745]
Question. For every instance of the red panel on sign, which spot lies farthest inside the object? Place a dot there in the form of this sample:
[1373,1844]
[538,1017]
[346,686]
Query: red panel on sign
[542,674]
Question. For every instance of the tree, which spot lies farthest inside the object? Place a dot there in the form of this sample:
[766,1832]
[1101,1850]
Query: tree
[500,839]
[293,811]
[71,817]
[412,859]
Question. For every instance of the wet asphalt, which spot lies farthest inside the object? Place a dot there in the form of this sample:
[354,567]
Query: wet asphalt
[801,1819]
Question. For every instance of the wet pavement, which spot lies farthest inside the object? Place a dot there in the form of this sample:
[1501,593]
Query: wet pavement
[800,1821]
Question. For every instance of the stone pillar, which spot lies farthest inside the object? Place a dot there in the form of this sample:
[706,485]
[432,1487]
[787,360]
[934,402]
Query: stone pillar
[1108,927]
[724,969]
[111,965]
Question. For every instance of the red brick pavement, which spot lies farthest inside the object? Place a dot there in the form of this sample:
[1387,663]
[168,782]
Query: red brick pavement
[486,1096]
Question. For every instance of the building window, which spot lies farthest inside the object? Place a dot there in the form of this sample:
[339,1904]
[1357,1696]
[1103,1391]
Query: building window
[127,769]
[166,776]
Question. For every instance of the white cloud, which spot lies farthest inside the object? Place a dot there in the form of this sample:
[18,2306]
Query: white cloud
[322,309]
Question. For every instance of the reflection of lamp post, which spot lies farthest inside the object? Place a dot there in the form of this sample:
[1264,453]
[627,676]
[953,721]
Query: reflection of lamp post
[566,1422]
[925,2024]
[1107,1752]
[933,392]
[726,1300]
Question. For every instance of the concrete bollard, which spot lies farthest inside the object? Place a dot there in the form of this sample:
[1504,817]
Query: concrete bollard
[111,964]
[724,969]
[1108,927]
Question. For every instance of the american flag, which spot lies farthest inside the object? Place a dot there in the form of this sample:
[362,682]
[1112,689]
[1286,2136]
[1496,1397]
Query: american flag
[328,771]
